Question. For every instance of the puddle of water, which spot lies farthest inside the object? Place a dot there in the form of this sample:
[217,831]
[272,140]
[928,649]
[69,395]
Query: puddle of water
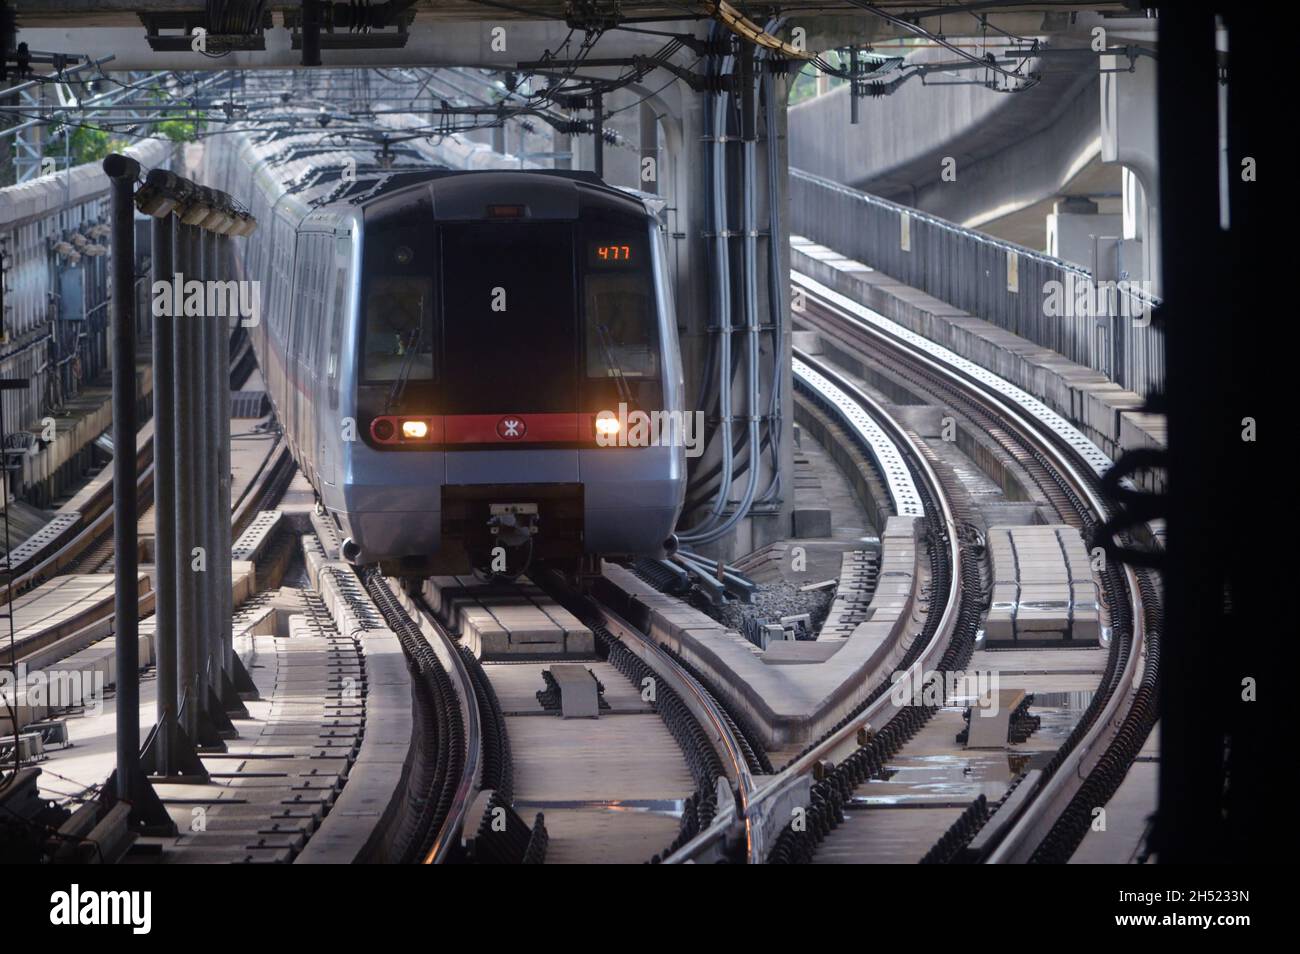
[668,807]
[1060,712]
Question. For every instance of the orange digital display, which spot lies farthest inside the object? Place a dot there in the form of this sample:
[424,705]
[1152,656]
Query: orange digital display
[609,252]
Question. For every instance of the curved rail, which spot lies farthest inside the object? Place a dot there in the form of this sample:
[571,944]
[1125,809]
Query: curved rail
[851,735]
[852,409]
[765,810]
[1066,450]
[433,652]
[714,720]
[452,833]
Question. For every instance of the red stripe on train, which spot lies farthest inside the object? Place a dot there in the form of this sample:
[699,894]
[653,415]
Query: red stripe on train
[485,429]
[517,428]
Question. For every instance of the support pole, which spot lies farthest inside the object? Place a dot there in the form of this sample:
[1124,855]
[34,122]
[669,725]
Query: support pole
[215,661]
[598,133]
[184,398]
[855,69]
[164,490]
[311,27]
[225,579]
[123,172]
[563,143]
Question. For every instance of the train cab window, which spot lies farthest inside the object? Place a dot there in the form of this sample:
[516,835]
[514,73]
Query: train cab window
[398,340]
[622,334]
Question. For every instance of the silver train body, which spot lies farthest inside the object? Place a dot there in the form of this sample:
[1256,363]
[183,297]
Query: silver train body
[441,348]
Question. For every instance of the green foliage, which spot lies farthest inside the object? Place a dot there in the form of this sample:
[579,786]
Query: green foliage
[87,144]
[804,86]
[178,125]
[180,129]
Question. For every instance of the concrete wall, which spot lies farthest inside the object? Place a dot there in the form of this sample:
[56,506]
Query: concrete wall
[1010,149]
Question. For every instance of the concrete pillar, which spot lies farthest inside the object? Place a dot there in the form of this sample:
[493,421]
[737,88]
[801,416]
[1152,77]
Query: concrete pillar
[648,172]
[1079,233]
[1128,137]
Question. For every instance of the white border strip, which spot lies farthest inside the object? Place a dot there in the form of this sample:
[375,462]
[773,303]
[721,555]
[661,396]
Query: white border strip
[902,490]
[1089,452]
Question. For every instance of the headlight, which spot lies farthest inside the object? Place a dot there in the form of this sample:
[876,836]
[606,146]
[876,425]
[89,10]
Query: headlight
[415,430]
[607,424]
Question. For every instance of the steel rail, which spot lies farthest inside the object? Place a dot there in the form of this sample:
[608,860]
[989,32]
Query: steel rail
[858,729]
[1037,815]
[452,830]
[714,720]
[759,811]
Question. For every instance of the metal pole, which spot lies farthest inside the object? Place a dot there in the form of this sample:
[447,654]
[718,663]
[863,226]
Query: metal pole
[311,24]
[224,532]
[164,495]
[123,172]
[563,144]
[854,69]
[598,132]
[211,462]
[186,436]
[203,468]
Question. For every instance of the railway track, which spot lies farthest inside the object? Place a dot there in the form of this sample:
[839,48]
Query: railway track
[88,548]
[462,776]
[464,771]
[1047,813]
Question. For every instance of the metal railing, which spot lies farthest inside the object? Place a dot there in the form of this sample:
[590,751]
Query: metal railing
[1046,300]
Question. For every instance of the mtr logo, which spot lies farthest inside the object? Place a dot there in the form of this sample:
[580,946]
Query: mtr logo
[511,428]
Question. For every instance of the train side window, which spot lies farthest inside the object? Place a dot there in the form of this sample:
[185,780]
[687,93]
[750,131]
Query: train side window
[283,281]
[313,311]
[298,306]
[343,260]
[320,331]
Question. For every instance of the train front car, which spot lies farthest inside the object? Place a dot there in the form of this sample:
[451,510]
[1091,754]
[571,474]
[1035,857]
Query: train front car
[518,384]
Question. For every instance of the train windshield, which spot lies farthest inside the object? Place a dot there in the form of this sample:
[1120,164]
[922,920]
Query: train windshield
[622,335]
[398,340]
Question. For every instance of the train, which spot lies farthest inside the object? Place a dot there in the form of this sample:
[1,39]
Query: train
[450,353]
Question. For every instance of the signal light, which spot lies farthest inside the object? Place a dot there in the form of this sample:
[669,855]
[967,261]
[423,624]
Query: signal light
[382,429]
[415,430]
